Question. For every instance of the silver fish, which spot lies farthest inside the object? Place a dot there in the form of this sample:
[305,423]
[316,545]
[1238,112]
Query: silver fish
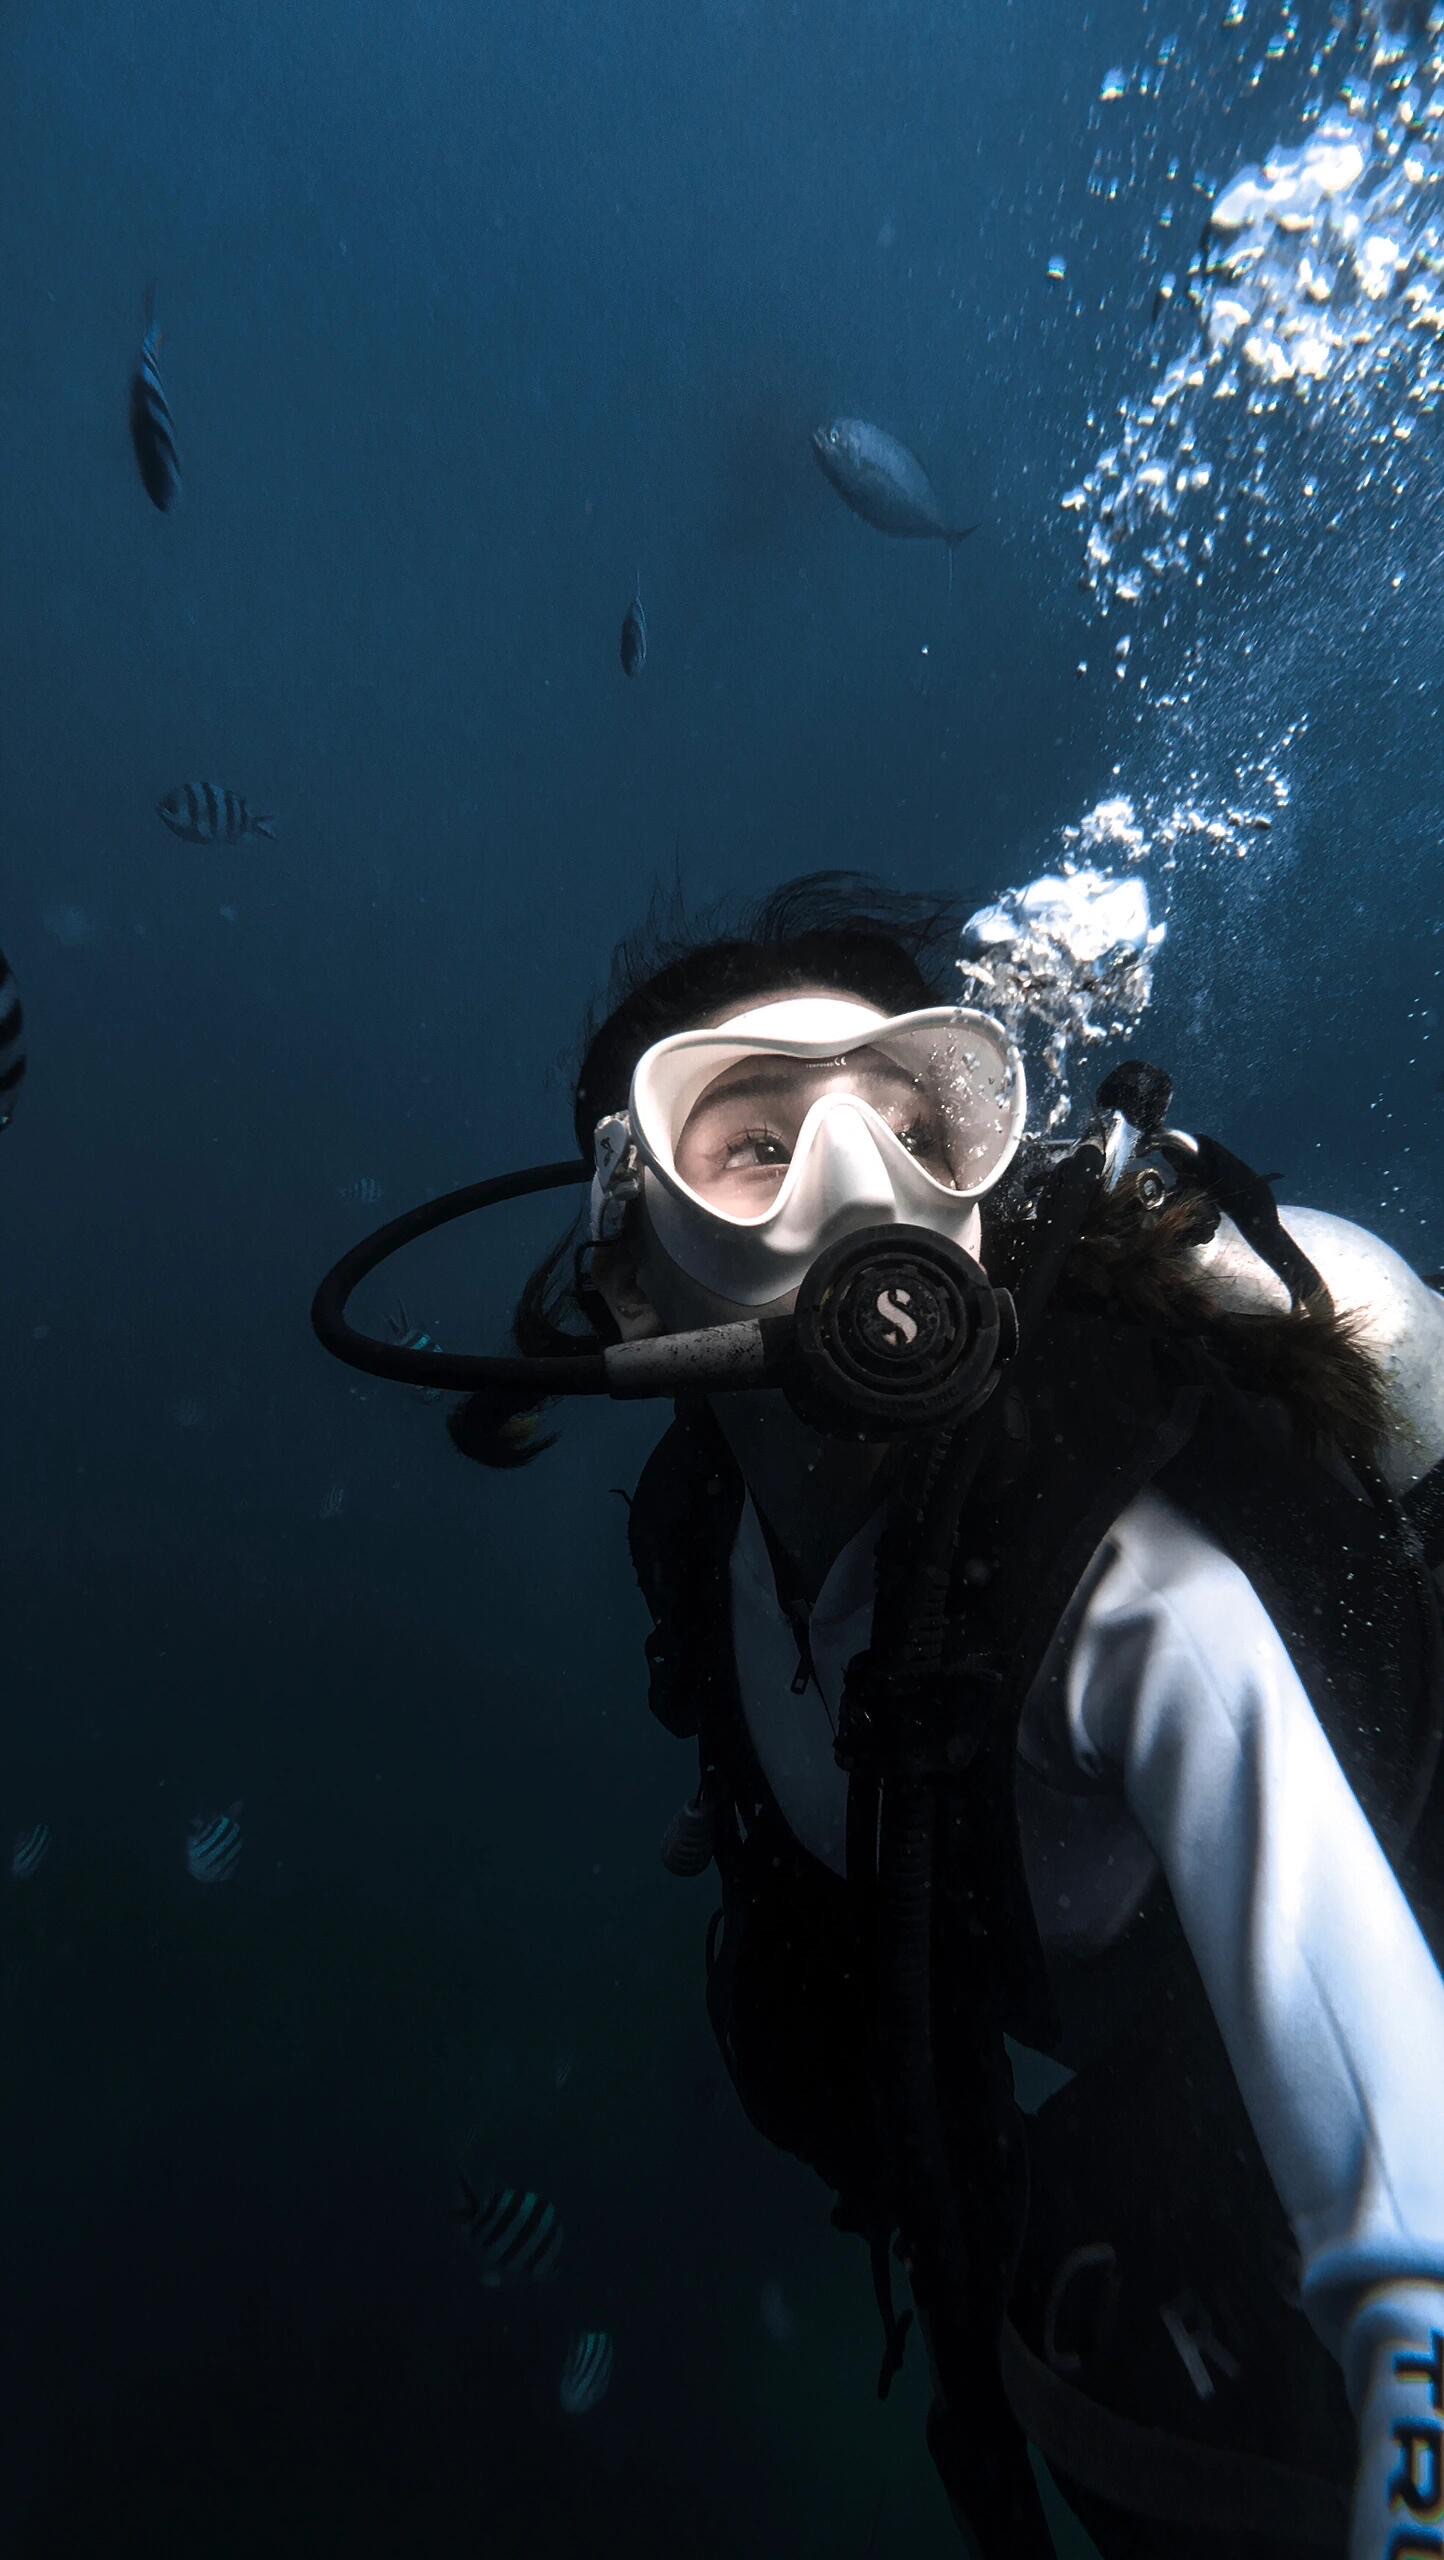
[207,813]
[882,481]
[12,1044]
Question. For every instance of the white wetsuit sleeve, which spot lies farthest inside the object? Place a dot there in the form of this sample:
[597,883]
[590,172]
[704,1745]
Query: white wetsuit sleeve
[1330,2004]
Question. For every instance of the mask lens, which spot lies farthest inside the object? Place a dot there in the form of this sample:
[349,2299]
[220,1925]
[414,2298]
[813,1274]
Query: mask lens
[946,1087]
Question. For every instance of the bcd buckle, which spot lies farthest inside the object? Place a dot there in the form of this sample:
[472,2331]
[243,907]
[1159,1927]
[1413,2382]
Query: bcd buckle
[916,1722]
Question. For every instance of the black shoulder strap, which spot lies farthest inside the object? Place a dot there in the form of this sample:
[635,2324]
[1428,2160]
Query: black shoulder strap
[1103,1407]
[680,1528]
[1247,1197]
[1423,1508]
[1167,2478]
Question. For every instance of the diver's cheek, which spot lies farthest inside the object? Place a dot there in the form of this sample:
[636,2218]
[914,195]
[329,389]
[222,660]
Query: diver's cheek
[684,1305]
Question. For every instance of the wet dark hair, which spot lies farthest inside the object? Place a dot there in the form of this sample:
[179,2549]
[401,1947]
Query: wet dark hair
[892,948]
[896,949]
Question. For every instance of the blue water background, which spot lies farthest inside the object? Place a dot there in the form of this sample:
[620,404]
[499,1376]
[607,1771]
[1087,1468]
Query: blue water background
[471,315]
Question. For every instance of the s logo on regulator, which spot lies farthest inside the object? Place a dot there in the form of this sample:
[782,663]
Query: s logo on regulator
[893,1311]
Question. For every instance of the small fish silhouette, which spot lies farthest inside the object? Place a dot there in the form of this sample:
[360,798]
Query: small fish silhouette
[587,2371]
[514,2232]
[213,1846]
[152,429]
[413,1337]
[27,1851]
[633,649]
[210,813]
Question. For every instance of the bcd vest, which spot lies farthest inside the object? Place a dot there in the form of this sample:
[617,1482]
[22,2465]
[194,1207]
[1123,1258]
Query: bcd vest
[1152,2346]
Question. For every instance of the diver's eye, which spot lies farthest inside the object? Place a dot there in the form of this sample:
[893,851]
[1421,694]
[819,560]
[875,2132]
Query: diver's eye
[755,1147]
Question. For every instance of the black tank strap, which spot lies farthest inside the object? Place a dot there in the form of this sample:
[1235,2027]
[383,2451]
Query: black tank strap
[894,2330]
[1247,1198]
[1170,2480]
[1423,1508]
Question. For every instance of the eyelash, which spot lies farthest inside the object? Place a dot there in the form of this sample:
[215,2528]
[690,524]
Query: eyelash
[915,1130]
[752,1138]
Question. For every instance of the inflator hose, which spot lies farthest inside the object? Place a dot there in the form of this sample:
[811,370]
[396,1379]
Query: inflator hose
[1002,2495]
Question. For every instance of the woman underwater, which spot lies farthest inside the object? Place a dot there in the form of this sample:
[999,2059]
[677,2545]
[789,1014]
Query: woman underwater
[1102,1716]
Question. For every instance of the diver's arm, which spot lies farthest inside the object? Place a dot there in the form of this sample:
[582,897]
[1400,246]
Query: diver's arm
[1328,1999]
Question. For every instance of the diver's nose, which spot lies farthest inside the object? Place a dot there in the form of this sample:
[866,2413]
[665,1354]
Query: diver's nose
[848,1170]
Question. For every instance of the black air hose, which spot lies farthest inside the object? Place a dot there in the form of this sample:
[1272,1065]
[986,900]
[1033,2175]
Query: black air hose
[907,1681]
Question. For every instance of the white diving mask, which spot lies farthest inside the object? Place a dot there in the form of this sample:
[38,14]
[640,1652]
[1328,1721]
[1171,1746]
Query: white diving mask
[758,1144]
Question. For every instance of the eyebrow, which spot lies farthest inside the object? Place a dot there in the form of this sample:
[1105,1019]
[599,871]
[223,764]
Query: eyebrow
[780,1076]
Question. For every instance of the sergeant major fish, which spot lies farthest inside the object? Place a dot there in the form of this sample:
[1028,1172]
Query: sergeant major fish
[12,1044]
[413,1337]
[206,813]
[27,1851]
[152,429]
[883,482]
[587,2371]
[515,2233]
[213,1846]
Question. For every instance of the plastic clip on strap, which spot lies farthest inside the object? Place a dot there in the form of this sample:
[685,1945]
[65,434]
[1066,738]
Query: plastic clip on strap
[1244,1196]
[890,1723]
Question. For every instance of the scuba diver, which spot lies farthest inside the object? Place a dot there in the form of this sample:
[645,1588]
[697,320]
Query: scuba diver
[1045,1558]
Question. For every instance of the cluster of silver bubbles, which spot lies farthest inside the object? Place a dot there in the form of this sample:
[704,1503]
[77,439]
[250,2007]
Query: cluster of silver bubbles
[1318,289]
[1294,365]
[1067,961]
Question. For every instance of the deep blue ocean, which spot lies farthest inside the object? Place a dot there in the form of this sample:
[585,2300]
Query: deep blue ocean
[471,318]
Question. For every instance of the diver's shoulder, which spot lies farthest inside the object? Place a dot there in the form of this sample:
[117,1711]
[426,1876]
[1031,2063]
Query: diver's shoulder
[1401,1319]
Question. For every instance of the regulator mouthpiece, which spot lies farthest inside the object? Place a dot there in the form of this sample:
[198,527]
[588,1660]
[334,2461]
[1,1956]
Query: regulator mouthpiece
[896,1330]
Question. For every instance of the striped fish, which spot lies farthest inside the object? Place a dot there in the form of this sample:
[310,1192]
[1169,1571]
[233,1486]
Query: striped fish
[213,1846]
[27,1850]
[515,2234]
[12,1044]
[413,1337]
[633,646]
[152,429]
[587,2371]
[205,813]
